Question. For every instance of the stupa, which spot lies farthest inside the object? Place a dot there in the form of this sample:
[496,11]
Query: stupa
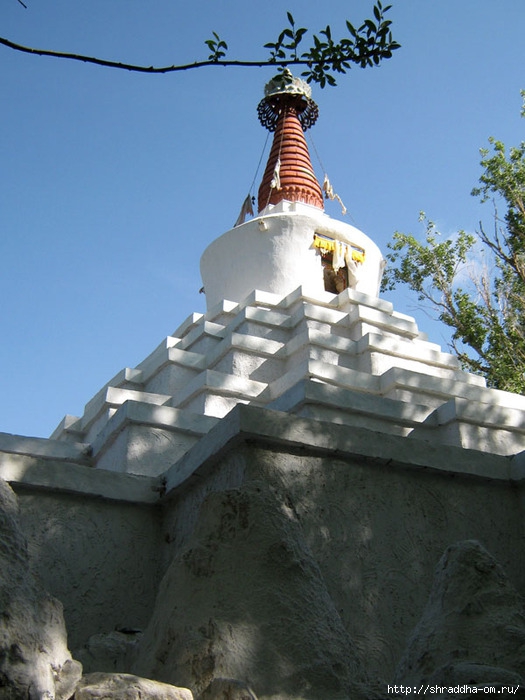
[294,322]
[302,434]
[291,243]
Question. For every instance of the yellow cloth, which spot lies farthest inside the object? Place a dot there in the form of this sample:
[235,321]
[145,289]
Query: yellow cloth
[327,245]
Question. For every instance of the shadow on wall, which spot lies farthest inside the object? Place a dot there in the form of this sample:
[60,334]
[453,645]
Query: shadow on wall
[373,532]
[287,568]
[377,532]
[99,558]
[245,599]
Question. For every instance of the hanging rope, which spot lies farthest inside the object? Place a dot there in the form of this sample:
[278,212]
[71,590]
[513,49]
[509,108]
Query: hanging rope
[316,153]
[259,163]
[327,187]
[247,205]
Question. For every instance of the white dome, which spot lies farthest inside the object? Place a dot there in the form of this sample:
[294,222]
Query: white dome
[275,253]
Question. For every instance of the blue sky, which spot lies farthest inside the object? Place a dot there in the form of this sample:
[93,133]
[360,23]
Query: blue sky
[113,183]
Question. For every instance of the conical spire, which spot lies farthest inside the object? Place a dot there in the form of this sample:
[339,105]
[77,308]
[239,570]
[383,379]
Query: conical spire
[288,110]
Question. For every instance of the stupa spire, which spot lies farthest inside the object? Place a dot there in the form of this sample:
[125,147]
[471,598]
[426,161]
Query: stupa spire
[288,110]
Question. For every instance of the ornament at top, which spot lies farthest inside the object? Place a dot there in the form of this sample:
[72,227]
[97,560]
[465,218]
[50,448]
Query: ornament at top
[285,90]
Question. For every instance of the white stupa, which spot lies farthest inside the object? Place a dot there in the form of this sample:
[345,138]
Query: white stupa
[265,497]
[293,323]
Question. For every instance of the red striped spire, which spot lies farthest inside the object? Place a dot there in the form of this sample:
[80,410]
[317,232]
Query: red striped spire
[288,110]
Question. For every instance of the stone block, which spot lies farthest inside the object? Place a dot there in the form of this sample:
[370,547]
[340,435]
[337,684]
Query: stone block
[144,450]
[157,358]
[127,378]
[427,354]
[263,317]
[324,314]
[223,312]
[212,404]
[399,325]
[56,450]
[459,384]
[123,686]
[489,428]
[203,337]
[343,376]
[104,405]
[351,297]
[255,345]
[334,341]
[261,298]
[218,383]
[293,300]
[345,406]
[305,352]
[250,365]
[379,363]
[147,439]
[188,324]
[69,429]
[172,377]
[295,371]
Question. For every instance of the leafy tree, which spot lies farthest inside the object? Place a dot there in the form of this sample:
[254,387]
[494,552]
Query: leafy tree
[366,46]
[476,283]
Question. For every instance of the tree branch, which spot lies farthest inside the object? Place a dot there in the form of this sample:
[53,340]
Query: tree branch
[366,46]
[148,69]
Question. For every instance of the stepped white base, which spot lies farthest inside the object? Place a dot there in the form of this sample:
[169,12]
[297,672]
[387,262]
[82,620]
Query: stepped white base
[348,359]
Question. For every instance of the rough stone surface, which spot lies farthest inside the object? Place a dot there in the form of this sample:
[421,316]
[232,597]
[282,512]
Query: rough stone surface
[34,658]
[227,689]
[109,652]
[466,673]
[473,627]
[246,600]
[97,556]
[375,531]
[123,686]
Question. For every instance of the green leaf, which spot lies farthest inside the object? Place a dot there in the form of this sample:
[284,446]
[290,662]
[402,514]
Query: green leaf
[299,33]
[351,28]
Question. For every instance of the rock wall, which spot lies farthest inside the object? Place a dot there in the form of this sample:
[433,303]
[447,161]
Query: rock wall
[98,557]
[285,558]
[35,662]
[375,532]
[472,630]
[246,599]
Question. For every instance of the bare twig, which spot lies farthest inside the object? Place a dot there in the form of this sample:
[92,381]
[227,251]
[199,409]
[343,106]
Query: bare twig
[146,69]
